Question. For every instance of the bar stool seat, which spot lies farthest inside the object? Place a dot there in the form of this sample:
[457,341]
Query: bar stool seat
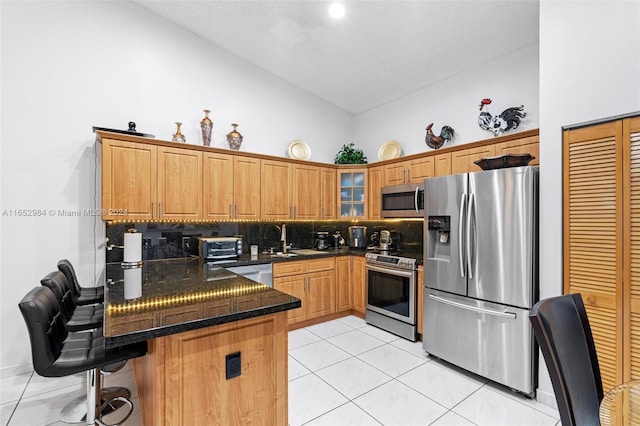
[56,352]
[83,295]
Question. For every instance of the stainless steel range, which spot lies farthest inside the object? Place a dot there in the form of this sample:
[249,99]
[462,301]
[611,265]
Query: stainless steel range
[391,293]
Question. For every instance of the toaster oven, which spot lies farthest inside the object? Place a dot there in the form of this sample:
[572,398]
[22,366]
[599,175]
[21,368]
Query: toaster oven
[212,248]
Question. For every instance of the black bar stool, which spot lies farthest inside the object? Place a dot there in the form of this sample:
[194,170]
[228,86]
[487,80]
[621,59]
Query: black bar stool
[83,295]
[56,352]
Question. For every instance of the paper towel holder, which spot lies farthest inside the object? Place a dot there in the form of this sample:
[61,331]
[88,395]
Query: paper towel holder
[137,263]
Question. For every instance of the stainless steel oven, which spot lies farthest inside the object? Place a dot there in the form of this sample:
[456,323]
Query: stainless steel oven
[391,293]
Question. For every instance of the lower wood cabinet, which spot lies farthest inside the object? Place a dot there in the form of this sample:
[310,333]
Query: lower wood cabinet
[344,265]
[359,285]
[313,282]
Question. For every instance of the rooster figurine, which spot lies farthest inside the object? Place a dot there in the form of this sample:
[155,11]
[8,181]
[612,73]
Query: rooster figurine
[436,142]
[508,120]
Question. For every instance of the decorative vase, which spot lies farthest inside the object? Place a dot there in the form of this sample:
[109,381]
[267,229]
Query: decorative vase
[234,138]
[206,125]
[177,136]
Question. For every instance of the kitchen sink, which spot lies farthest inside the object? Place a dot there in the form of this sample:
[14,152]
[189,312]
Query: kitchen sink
[284,255]
[309,252]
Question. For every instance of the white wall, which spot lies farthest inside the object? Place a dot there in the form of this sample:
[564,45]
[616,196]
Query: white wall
[508,81]
[68,66]
[589,69]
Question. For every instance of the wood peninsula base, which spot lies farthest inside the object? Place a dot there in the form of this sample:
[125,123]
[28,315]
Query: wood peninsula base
[182,380]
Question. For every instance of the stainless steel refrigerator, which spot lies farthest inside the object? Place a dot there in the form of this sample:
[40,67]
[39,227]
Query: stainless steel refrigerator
[481,272]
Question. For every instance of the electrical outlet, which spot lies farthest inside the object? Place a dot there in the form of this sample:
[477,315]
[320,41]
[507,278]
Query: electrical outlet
[186,246]
[234,365]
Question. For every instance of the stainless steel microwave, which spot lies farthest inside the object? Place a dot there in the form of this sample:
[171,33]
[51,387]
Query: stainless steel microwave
[211,248]
[403,200]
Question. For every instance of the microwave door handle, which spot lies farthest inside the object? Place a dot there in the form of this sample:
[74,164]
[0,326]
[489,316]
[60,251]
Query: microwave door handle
[461,239]
[415,199]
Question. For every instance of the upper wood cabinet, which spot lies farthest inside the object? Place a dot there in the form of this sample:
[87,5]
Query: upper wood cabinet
[352,187]
[412,171]
[375,184]
[527,145]
[463,161]
[329,196]
[150,182]
[442,164]
[231,187]
[290,191]
[601,166]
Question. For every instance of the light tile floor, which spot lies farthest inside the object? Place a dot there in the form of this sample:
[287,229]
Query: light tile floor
[341,372]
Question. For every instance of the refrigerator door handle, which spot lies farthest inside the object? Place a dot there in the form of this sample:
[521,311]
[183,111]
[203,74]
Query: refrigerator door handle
[472,239]
[510,315]
[461,233]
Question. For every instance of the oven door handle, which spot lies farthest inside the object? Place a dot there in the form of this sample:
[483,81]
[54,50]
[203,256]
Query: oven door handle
[391,271]
[510,315]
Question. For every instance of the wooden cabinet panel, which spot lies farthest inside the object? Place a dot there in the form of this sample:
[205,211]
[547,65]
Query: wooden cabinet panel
[352,187]
[295,285]
[306,192]
[442,164]
[218,179]
[394,174]
[343,283]
[129,180]
[593,254]
[320,294]
[463,161]
[276,190]
[246,188]
[376,182]
[179,183]
[328,200]
[358,282]
[527,145]
[420,169]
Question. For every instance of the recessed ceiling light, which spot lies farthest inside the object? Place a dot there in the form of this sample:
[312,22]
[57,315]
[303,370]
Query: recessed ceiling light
[336,10]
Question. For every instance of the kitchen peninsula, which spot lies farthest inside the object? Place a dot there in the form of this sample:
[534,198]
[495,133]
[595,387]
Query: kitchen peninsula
[217,342]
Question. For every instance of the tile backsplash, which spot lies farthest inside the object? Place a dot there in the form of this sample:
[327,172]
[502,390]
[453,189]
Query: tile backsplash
[165,240]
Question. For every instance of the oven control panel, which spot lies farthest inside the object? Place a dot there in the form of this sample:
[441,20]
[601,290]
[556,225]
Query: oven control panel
[395,261]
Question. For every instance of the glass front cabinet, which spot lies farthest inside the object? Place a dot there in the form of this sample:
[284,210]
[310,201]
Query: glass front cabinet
[353,190]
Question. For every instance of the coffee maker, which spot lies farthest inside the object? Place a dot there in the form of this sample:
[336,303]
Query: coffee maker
[358,237]
[321,240]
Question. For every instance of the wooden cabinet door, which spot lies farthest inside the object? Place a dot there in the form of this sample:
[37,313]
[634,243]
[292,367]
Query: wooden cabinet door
[593,235]
[420,169]
[376,182]
[343,283]
[295,286]
[463,161]
[528,145]
[179,183]
[631,228]
[328,200]
[359,284]
[276,190]
[246,188]
[320,294]
[442,164]
[306,192]
[352,187]
[129,180]
[218,174]
[395,174]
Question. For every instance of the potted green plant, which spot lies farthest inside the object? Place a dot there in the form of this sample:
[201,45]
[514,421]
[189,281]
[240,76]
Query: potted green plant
[350,155]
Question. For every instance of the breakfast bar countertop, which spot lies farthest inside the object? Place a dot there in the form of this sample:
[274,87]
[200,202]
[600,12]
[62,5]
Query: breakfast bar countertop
[165,297]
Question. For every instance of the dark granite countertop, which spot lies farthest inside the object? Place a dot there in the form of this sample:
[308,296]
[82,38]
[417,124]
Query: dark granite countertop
[166,297]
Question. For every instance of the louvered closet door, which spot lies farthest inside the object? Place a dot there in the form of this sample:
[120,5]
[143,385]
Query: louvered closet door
[631,137]
[593,236]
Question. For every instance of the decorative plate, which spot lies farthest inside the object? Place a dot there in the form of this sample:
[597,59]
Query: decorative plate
[299,150]
[390,150]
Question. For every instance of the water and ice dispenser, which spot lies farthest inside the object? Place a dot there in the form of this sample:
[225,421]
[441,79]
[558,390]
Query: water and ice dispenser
[438,237]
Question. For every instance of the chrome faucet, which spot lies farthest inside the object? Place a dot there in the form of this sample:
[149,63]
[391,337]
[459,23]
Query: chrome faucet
[283,238]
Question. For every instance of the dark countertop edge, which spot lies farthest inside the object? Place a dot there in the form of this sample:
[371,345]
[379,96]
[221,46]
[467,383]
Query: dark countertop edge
[142,336]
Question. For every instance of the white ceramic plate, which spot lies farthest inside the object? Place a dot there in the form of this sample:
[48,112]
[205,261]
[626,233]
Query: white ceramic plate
[299,150]
[390,150]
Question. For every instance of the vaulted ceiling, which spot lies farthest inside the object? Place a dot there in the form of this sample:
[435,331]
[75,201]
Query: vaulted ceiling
[378,52]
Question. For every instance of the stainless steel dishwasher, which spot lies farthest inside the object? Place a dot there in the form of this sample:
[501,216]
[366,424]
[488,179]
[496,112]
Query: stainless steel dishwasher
[261,273]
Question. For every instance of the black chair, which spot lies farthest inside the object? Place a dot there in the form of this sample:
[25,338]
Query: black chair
[56,352]
[76,318]
[562,330]
[83,295]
